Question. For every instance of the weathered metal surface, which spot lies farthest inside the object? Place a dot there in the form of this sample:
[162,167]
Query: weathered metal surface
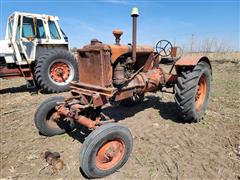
[110,153]
[134,37]
[123,95]
[147,82]
[191,60]
[61,110]
[72,112]
[148,63]
[144,49]
[117,33]
[99,100]
[90,89]
[9,73]
[117,51]
[95,64]
[87,122]
[170,79]
[18,71]
[119,75]
[59,72]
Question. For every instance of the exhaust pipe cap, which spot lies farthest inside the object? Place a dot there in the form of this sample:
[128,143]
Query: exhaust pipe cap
[134,11]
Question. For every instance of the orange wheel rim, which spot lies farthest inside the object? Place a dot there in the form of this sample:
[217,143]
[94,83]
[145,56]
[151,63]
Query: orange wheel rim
[59,72]
[201,93]
[109,154]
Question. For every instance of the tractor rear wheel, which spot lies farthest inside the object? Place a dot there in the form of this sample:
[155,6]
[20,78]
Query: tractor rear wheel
[55,70]
[105,150]
[192,92]
[44,118]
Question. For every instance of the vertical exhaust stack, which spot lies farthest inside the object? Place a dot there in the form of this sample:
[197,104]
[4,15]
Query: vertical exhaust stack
[134,15]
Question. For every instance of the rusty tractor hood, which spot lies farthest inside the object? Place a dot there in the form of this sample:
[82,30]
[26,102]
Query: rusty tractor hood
[95,45]
[118,50]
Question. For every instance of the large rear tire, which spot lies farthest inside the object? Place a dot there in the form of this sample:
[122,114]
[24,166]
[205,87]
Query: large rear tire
[44,121]
[192,92]
[105,150]
[55,69]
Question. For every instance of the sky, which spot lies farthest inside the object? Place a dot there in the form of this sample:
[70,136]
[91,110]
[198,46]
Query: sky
[174,20]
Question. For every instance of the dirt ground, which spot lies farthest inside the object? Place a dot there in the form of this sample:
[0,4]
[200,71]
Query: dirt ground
[164,148]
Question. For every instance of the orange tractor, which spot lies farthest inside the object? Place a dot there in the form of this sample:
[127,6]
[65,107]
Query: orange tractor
[122,73]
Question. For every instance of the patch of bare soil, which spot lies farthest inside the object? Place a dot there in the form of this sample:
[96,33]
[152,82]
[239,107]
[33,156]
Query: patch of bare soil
[164,148]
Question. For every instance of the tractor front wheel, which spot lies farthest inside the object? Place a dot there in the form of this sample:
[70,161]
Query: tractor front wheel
[105,150]
[192,92]
[55,70]
[45,122]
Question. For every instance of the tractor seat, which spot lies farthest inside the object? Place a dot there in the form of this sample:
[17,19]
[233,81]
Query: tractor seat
[175,55]
[168,60]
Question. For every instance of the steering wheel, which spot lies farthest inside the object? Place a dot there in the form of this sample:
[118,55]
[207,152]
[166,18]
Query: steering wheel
[164,48]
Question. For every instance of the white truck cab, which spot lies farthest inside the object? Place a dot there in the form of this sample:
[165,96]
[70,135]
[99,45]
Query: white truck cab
[30,38]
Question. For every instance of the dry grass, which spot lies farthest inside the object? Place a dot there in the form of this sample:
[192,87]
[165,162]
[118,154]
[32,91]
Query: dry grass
[222,56]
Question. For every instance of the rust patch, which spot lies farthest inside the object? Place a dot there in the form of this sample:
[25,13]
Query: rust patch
[117,51]
[123,95]
[88,122]
[59,71]
[95,64]
[10,73]
[99,100]
[188,61]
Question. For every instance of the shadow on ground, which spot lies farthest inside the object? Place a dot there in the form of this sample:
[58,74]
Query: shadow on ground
[19,89]
[167,110]
[79,133]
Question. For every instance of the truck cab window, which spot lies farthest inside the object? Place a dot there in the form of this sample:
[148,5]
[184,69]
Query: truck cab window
[53,30]
[64,36]
[18,29]
[40,29]
[10,25]
[28,27]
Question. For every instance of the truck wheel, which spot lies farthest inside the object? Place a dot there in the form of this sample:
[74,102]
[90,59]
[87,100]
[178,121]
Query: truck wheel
[192,92]
[44,121]
[132,101]
[105,150]
[55,70]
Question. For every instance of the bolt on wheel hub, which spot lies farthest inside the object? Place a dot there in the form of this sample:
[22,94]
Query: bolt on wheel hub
[59,72]
[109,154]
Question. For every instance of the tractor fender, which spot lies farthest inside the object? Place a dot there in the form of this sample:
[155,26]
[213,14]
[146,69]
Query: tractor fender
[191,61]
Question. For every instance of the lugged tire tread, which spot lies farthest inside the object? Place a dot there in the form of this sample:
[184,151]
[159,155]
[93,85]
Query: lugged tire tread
[42,62]
[185,92]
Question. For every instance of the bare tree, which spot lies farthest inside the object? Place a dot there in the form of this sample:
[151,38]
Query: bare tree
[207,45]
